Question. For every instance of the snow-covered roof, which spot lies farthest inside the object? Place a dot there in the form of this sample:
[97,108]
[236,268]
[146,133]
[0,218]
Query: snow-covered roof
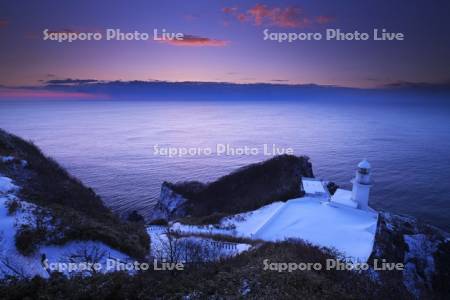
[364,164]
[351,231]
[343,197]
[313,186]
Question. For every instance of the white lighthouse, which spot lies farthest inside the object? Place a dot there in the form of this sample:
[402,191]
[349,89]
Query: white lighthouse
[361,185]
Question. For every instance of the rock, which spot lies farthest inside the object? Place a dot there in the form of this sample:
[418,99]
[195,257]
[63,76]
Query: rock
[247,188]
[404,239]
[136,217]
[170,204]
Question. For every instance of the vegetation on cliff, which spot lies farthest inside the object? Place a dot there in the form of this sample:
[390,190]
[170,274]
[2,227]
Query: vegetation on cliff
[243,276]
[248,188]
[78,213]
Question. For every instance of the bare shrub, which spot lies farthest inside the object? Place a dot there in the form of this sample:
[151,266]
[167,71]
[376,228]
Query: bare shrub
[12,206]
[89,255]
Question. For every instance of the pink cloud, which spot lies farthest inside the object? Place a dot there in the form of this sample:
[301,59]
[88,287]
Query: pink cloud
[233,11]
[190,17]
[6,93]
[283,17]
[289,17]
[197,41]
[324,19]
[3,23]
[241,17]
[229,10]
[259,12]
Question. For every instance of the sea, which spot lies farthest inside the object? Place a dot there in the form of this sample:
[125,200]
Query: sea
[125,149]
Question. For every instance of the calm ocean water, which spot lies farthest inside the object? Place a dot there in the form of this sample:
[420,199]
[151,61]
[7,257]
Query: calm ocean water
[109,145]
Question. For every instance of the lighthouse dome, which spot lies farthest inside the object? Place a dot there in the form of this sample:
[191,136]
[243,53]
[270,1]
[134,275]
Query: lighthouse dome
[364,164]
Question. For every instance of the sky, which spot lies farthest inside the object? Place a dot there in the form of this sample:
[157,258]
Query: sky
[224,42]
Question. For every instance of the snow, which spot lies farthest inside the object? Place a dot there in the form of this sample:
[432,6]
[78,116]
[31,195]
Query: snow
[169,203]
[364,164]
[343,197]
[350,231]
[206,229]
[247,224]
[420,252]
[6,159]
[6,185]
[314,219]
[64,253]
[12,159]
[245,289]
[179,248]
[172,200]
[13,263]
[313,186]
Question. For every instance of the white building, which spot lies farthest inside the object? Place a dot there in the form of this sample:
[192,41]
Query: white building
[358,197]
[333,222]
[314,188]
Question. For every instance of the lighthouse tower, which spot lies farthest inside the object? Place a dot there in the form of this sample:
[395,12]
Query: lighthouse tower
[361,185]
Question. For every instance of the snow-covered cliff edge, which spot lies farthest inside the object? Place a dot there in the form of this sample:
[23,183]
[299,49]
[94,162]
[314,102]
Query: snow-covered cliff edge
[423,249]
[245,189]
[76,212]
[170,205]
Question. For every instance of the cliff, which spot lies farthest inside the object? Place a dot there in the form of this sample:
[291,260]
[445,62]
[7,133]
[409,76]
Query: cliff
[76,212]
[247,188]
[424,250]
[170,205]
